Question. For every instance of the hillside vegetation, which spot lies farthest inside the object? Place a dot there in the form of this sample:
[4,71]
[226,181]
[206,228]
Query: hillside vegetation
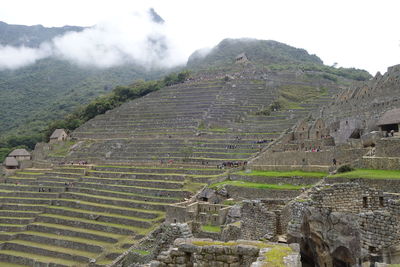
[274,55]
[83,113]
[33,96]
[267,52]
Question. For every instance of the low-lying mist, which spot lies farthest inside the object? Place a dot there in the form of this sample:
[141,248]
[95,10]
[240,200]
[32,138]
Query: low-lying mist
[139,38]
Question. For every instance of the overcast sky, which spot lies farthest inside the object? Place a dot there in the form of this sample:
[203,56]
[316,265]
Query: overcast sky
[354,33]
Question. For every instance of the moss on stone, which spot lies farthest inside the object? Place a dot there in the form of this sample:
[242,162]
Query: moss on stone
[211,228]
[275,256]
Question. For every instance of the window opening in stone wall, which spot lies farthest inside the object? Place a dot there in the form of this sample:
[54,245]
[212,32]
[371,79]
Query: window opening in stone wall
[380,201]
[365,202]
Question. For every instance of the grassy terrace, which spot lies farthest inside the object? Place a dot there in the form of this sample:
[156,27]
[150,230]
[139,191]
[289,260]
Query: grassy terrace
[369,174]
[54,248]
[259,186]
[157,168]
[284,174]
[40,258]
[211,228]
[155,174]
[77,206]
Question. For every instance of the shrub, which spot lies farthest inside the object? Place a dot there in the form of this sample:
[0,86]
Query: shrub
[345,168]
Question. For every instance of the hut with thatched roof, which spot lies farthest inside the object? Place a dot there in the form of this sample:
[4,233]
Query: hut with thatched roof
[11,163]
[390,121]
[20,154]
[58,135]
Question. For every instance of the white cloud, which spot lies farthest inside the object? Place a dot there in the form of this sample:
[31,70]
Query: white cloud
[134,38]
[16,57]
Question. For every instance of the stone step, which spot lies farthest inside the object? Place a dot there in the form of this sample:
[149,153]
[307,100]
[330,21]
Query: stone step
[86,224]
[96,207]
[123,195]
[23,207]
[158,170]
[47,250]
[275,180]
[12,227]
[100,217]
[134,182]
[115,201]
[30,188]
[160,192]
[31,259]
[68,231]
[55,240]
[16,220]
[17,213]
[139,176]
[25,200]
[24,194]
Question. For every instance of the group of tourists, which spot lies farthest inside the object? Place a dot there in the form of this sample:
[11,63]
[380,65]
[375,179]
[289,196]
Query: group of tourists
[231,164]
[262,141]
[80,162]
[42,189]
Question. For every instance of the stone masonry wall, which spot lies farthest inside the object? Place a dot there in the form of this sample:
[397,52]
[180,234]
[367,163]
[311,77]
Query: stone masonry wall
[240,253]
[379,230]
[375,218]
[388,147]
[257,221]
[347,197]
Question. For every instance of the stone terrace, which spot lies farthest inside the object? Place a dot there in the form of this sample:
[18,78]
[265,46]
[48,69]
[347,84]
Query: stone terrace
[71,215]
[148,153]
[208,121]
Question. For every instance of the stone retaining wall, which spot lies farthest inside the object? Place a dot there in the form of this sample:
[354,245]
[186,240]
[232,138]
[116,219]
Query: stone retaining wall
[256,193]
[206,252]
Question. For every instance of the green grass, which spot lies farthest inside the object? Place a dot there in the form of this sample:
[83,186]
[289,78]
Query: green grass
[193,187]
[11,264]
[141,252]
[41,258]
[155,174]
[156,168]
[61,149]
[55,248]
[230,243]
[31,173]
[131,194]
[274,257]
[284,174]
[68,238]
[259,186]
[369,174]
[106,214]
[229,202]
[75,229]
[116,199]
[121,226]
[218,129]
[211,228]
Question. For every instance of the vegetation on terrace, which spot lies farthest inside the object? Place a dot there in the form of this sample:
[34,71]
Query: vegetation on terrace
[259,185]
[284,173]
[369,174]
[291,96]
[211,228]
[100,105]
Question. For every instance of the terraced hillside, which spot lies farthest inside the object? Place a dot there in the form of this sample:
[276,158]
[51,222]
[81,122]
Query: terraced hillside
[144,155]
[207,120]
[73,215]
